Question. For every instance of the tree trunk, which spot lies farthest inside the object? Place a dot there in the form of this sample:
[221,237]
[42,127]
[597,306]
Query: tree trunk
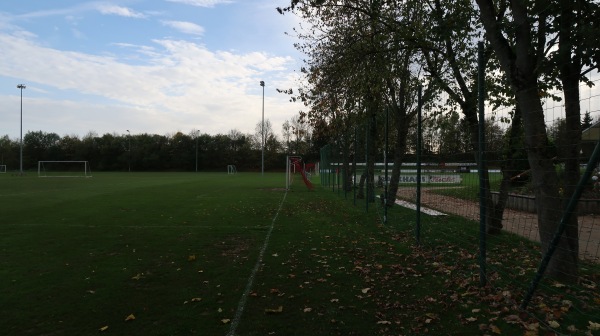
[346,171]
[520,66]
[569,73]
[371,156]
[494,211]
[361,186]
[401,125]
[508,164]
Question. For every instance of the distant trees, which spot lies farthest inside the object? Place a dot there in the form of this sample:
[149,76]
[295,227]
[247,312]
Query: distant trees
[152,152]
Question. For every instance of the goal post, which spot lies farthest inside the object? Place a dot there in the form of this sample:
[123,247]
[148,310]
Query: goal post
[231,169]
[2,169]
[64,169]
[290,169]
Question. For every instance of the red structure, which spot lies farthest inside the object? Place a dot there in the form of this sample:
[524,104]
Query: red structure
[297,162]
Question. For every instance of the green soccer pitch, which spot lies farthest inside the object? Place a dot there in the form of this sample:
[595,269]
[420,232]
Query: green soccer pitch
[219,254]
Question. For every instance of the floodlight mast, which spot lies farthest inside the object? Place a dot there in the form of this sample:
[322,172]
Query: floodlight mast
[129,149]
[197,132]
[21,87]
[262,126]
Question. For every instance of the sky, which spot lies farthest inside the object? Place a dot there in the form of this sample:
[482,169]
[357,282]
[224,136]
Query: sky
[147,66]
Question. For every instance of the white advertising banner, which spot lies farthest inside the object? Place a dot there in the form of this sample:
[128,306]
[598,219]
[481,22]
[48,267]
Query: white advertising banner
[431,179]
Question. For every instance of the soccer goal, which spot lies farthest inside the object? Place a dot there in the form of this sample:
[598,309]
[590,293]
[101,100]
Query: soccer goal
[64,169]
[231,169]
[2,169]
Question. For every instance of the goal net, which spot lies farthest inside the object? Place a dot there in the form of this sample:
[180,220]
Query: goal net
[295,165]
[2,169]
[231,169]
[64,169]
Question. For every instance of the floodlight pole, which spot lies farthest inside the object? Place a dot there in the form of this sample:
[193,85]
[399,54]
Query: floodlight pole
[262,83]
[197,131]
[21,87]
[129,149]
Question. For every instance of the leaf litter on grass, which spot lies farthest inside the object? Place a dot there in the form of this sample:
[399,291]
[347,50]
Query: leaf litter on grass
[342,277]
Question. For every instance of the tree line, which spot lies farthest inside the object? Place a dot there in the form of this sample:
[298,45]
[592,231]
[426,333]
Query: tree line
[172,152]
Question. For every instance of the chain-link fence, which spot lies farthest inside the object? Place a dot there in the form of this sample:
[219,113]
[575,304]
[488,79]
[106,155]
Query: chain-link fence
[491,186]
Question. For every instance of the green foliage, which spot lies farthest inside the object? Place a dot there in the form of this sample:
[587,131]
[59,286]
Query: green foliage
[144,152]
[587,121]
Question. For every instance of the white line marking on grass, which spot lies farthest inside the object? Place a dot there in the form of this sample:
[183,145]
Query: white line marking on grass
[413,206]
[244,298]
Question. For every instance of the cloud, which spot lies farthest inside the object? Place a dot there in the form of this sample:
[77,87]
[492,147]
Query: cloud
[185,27]
[173,84]
[102,7]
[202,3]
[109,9]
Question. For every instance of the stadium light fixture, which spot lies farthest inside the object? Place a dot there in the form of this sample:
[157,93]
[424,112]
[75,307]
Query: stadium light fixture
[129,149]
[262,127]
[21,87]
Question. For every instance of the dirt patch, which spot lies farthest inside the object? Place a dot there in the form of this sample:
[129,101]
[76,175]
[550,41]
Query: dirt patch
[519,222]
[234,247]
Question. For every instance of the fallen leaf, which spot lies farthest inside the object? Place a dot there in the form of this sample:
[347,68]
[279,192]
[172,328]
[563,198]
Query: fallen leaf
[513,319]
[192,257]
[593,326]
[196,299]
[103,328]
[307,310]
[475,310]
[554,324]
[220,310]
[471,319]
[365,290]
[138,276]
[495,329]
[384,322]
[130,317]
[431,315]
[533,326]
[275,255]
[590,285]
[274,311]
[225,321]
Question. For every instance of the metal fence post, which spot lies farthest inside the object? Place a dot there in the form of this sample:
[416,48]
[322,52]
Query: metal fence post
[482,207]
[385,166]
[419,146]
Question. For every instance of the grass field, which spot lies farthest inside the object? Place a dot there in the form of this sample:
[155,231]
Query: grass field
[177,254]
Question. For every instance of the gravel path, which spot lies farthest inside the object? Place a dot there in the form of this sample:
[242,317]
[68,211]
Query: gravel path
[519,222]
